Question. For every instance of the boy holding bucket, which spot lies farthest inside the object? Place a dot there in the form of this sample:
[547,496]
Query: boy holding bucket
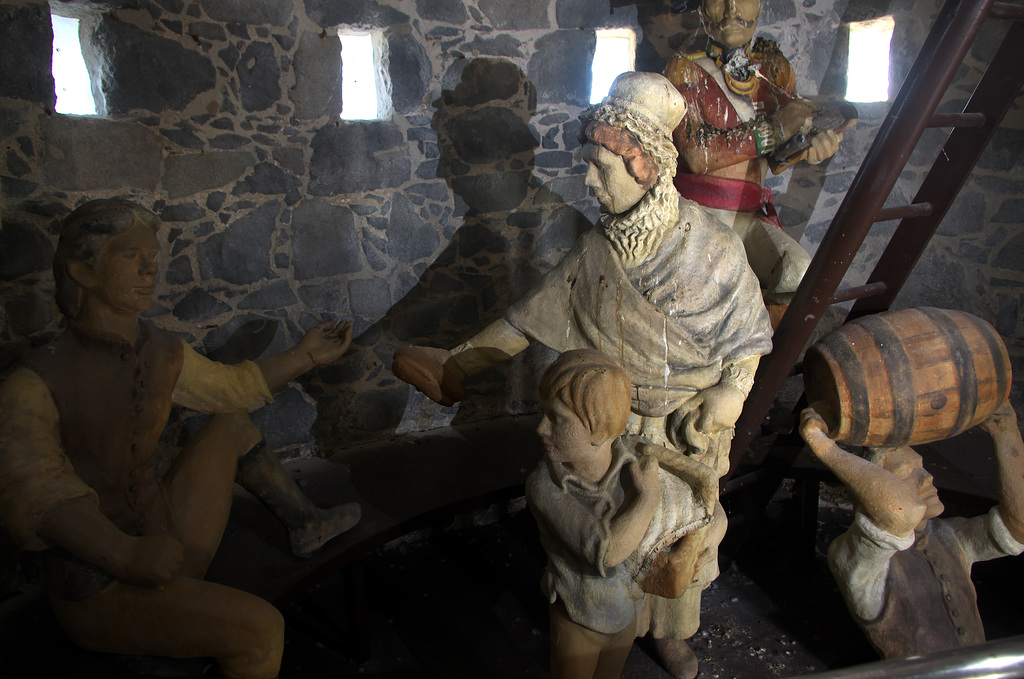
[604,514]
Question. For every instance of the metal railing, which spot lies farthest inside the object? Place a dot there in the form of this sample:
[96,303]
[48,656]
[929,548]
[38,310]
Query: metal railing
[1002,659]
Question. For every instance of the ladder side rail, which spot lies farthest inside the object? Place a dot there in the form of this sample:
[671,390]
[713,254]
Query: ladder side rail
[941,54]
[993,96]
[1008,10]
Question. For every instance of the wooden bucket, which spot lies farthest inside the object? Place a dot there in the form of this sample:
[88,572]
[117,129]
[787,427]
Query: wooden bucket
[907,376]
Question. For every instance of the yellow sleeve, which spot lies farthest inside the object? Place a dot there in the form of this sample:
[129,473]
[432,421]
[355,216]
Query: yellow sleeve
[211,387]
[35,473]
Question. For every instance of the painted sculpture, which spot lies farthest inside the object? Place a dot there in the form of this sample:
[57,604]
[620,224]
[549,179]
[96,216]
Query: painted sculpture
[659,286]
[124,551]
[603,512]
[905,573]
[742,109]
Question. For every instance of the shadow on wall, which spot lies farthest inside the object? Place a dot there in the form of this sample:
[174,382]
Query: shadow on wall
[510,220]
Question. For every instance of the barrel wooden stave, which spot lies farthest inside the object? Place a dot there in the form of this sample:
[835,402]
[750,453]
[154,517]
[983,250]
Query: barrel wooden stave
[907,376]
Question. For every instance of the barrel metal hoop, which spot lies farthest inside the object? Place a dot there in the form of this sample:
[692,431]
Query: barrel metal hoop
[901,377]
[860,398]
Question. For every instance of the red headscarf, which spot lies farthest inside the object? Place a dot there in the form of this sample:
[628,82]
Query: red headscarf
[639,163]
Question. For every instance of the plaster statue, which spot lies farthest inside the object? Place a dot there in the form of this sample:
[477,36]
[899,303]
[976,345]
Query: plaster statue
[604,514]
[742,106]
[659,286]
[905,573]
[123,551]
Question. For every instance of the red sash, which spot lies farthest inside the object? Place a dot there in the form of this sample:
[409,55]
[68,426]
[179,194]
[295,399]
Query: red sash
[728,194]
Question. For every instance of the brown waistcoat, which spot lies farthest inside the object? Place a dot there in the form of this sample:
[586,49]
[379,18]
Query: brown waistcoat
[931,604]
[113,399]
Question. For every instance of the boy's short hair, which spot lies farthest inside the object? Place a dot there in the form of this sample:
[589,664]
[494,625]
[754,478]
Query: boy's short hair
[594,388]
[83,235]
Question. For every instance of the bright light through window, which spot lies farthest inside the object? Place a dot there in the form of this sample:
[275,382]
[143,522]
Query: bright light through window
[867,76]
[615,53]
[70,76]
[366,92]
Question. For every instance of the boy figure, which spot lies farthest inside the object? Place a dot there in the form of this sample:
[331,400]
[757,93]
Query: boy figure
[123,551]
[603,514]
[904,573]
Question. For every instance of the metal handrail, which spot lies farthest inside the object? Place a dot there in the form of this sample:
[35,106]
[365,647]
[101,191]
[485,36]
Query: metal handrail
[1002,659]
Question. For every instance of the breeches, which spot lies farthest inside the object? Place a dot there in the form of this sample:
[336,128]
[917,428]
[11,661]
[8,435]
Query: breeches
[185,618]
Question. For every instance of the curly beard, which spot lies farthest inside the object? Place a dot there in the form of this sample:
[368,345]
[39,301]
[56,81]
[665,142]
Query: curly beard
[635,235]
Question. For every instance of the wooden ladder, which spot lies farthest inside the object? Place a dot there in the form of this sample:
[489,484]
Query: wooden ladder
[911,113]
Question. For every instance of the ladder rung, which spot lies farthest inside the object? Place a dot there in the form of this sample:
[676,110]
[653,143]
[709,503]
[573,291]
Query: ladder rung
[903,211]
[957,120]
[1007,10]
[858,292]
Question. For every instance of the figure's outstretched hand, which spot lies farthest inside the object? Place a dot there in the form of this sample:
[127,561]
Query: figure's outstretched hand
[150,560]
[424,368]
[325,343]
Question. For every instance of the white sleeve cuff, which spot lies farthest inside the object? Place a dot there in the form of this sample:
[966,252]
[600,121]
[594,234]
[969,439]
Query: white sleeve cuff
[1001,534]
[880,537]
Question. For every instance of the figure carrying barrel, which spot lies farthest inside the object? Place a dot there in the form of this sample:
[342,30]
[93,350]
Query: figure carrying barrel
[888,381]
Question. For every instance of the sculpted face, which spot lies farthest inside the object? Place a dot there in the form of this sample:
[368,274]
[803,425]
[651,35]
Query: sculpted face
[123,278]
[615,189]
[731,23]
[909,467]
[566,439]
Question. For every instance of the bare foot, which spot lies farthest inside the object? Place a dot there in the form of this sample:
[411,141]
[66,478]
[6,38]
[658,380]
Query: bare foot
[677,658]
[332,523]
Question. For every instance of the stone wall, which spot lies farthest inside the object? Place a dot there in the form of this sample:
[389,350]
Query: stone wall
[222,117]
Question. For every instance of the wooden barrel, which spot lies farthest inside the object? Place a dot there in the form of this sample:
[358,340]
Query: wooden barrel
[907,376]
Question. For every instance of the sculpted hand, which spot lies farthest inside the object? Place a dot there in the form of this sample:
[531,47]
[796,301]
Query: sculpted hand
[1001,420]
[811,424]
[325,343]
[150,560]
[794,117]
[674,569]
[721,406]
[814,431]
[425,368]
[644,473]
[823,146]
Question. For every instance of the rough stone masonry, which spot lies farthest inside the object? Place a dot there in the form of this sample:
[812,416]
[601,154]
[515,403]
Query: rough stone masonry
[223,117]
